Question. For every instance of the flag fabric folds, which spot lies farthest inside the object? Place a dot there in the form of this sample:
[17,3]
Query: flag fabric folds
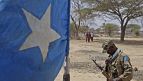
[34,39]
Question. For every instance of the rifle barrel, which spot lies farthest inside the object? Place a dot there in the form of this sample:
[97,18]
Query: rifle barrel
[97,65]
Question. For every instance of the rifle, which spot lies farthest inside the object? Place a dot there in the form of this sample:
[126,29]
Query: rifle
[101,68]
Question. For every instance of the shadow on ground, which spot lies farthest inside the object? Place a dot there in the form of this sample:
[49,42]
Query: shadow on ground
[126,42]
[129,42]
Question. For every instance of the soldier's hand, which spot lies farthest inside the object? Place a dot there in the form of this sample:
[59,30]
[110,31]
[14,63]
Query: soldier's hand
[107,61]
[109,79]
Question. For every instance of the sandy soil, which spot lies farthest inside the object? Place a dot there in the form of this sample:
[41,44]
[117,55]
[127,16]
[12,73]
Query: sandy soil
[83,69]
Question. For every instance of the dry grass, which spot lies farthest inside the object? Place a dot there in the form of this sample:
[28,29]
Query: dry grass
[83,69]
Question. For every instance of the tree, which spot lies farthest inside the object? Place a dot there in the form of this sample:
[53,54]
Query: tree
[135,28]
[79,16]
[72,30]
[76,16]
[98,30]
[122,10]
[110,28]
[83,29]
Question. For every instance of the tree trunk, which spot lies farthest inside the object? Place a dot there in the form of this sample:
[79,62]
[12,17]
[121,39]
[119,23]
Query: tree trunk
[109,33]
[123,28]
[122,33]
[77,35]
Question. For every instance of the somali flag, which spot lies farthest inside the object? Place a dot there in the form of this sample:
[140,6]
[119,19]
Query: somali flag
[34,39]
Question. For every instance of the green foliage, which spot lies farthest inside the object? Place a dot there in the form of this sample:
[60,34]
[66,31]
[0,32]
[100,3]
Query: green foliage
[135,28]
[83,29]
[85,12]
[98,30]
[122,10]
[79,17]
[73,30]
[110,28]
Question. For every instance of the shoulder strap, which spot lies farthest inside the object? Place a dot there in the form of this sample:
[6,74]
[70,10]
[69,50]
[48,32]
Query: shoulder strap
[112,60]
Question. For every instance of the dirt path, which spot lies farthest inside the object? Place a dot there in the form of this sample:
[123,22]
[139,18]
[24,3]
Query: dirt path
[83,69]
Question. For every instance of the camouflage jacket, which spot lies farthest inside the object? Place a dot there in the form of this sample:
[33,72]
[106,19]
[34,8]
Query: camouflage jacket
[119,67]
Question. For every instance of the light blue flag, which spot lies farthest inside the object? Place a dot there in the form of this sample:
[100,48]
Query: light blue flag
[34,39]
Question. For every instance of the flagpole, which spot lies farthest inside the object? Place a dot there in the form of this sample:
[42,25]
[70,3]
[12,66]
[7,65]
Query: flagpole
[66,76]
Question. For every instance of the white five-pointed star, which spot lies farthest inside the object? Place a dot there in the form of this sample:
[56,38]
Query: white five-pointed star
[41,34]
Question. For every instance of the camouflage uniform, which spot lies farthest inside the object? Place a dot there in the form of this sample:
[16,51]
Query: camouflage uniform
[119,66]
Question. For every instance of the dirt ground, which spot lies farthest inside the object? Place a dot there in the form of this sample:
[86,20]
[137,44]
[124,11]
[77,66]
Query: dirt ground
[83,69]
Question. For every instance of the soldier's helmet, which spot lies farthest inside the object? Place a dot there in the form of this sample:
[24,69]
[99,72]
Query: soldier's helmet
[106,45]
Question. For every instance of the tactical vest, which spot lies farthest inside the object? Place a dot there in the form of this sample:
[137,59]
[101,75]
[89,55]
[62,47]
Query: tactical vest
[115,68]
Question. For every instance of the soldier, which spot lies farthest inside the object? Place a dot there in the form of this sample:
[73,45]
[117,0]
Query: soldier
[118,66]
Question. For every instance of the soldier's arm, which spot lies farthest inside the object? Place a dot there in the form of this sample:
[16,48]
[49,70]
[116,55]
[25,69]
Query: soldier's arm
[105,73]
[128,71]
[105,70]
